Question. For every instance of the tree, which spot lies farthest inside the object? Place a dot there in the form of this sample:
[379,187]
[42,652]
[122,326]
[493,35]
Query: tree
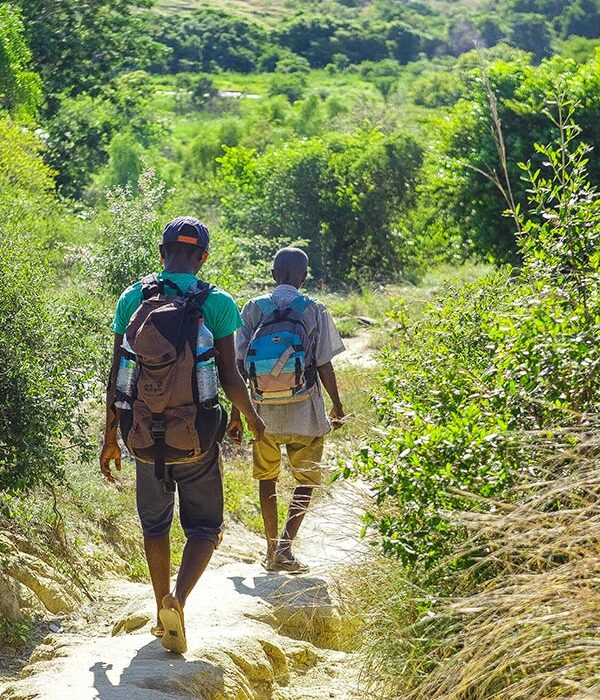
[203,91]
[78,45]
[531,32]
[203,40]
[20,87]
[342,193]
[581,17]
[48,358]
[292,85]
[456,194]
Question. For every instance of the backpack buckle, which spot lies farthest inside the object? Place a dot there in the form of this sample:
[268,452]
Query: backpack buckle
[158,427]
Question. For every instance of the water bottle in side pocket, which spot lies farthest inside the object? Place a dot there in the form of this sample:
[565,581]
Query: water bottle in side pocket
[206,369]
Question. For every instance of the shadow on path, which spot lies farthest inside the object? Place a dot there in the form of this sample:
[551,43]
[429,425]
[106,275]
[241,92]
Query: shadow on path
[286,591]
[157,673]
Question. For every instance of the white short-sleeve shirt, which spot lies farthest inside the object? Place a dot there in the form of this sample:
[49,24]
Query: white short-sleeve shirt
[305,417]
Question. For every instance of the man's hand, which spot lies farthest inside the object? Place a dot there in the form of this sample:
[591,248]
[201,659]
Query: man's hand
[336,416]
[235,429]
[257,426]
[110,451]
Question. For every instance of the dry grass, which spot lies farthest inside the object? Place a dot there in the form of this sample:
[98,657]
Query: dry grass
[522,619]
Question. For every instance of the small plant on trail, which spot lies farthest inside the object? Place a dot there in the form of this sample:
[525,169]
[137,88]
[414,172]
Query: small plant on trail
[16,633]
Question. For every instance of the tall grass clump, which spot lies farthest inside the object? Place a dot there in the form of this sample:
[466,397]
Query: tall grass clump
[518,617]
[484,465]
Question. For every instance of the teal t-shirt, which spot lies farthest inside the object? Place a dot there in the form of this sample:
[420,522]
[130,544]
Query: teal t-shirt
[221,315]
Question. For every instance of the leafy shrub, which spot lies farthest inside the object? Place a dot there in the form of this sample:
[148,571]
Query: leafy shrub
[292,85]
[528,631]
[78,48]
[341,193]
[20,87]
[490,363]
[49,358]
[128,247]
[16,633]
[205,39]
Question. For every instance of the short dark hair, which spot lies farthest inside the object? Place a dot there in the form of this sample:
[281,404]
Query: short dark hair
[290,261]
[177,249]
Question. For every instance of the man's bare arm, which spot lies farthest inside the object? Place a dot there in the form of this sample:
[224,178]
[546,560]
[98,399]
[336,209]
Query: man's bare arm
[110,449]
[234,386]
[329,381]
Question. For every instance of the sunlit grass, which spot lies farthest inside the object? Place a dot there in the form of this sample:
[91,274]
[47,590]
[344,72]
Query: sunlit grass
[512,615]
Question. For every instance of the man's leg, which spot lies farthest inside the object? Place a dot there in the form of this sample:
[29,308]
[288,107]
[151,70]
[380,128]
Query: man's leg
[266,456]
[200,488]
[195,559]
[158,556]
[298,507]
[267,489]
[305,454]
[155,510]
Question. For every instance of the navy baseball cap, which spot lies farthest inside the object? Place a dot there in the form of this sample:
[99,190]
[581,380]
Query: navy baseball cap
[186,229]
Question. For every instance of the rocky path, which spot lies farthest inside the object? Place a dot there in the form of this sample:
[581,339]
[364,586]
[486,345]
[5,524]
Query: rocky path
[251,635]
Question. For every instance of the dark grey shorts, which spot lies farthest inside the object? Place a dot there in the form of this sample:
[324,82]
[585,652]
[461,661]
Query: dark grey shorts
[200,489]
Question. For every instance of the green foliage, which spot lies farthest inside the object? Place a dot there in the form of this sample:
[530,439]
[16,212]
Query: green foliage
[128,247]
[489,364]
[531,33]
[16,633]
[291,85]
[578,48]
[124,161]
[206,39]
[78,46]
[341,193]
[438,89]
[80,133]
[203,91]
[20,87]
[20,165]
[49,354]
[78,138]
[582,18]
[457,193]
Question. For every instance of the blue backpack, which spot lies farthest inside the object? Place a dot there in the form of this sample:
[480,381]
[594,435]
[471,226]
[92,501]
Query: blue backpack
[276,361]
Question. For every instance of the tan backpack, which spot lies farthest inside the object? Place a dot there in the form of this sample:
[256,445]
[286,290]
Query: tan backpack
[167,424]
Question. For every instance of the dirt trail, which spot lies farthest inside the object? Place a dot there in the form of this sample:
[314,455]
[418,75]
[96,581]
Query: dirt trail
[251,635]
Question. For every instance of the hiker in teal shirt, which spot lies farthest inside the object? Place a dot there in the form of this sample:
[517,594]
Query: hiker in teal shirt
[221,314]
[196,467]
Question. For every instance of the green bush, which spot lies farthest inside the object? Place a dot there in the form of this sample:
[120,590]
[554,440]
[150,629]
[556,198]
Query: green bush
[457,195]
[49,356]
[20,87]
[292,85]
[489,364]
[341,193]
[128,246]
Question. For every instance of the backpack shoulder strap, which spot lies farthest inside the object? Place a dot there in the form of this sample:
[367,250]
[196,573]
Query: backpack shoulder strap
[152,285]
[266,304]
[199,292]
[301,303]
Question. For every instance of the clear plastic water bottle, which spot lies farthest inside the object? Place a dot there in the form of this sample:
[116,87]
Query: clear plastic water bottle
[206,370]
[126,379]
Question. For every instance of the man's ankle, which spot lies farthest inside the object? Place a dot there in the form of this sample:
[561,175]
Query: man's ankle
[284,552]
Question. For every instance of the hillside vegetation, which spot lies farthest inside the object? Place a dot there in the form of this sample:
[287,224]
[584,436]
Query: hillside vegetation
[390,140]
